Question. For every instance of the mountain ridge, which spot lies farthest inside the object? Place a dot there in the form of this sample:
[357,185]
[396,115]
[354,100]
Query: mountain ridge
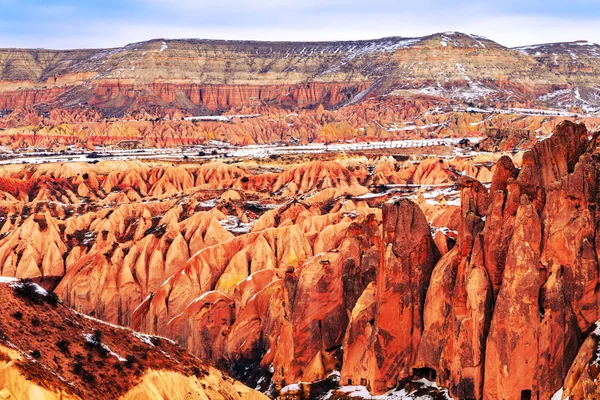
[199,76]
[250,41]
[315,42]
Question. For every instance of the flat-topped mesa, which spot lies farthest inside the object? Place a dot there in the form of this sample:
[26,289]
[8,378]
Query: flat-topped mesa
[199,75]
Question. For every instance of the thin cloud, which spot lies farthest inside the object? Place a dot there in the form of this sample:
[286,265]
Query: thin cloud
[92,25]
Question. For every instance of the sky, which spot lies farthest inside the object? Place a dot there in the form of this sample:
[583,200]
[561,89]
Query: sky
[63,24]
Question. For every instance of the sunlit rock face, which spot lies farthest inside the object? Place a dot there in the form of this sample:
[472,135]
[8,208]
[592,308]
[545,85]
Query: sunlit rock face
[476,271]
[514,280]
[393,332]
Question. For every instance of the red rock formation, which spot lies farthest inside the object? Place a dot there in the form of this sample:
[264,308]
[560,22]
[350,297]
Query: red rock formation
[582,380]
[458,304]
[117,97]
[331,279]
[407,259]
[165,127]
[506,307]
[523,253]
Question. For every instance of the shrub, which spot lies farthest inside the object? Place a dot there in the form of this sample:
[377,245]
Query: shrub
[95,342]
[155,340]
[130,360]
[52,299]
[36,353]
[35,321]
[77,367]
[18,315]
[63,346]
[28,290]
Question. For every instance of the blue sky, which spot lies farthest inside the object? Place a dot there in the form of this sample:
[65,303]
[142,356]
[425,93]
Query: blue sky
[89,23]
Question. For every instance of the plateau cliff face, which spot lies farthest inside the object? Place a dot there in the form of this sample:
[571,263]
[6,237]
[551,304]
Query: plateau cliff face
[579,62]
[200,75]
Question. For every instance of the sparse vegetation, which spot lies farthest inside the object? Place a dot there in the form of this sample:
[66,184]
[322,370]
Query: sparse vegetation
[33,294]
[63,346]
[52,299]
[94,342]
[28,290]
[130,361]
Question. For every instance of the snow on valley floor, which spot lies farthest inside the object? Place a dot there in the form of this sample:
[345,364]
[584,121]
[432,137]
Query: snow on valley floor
[216,150]
[421,389]
[361,392]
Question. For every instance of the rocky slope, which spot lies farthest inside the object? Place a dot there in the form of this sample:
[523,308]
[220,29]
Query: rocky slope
[49,352]
[377,119]
[579,61]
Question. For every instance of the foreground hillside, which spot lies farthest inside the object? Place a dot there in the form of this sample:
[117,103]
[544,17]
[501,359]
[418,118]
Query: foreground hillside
[49,352]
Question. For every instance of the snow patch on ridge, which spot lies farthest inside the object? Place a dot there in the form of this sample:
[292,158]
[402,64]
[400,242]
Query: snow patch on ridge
[89,338]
